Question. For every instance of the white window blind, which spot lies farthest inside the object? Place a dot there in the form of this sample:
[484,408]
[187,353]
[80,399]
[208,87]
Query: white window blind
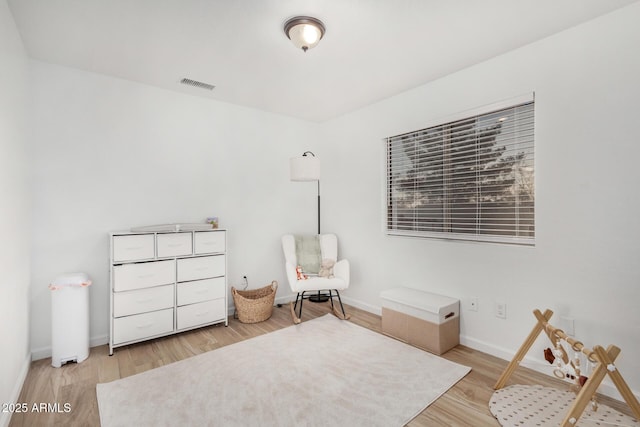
[470,179]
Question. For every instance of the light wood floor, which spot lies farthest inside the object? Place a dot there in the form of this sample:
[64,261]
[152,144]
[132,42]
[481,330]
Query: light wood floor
[466,404]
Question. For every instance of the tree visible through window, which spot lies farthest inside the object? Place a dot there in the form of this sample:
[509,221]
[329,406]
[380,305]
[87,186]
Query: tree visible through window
[471,179]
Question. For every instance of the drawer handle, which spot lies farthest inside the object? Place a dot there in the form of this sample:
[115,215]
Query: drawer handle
[201,268]
[175,245]
[145,276]
[133,248]
[202,313]
[202,291]
[144,301]
[144,326]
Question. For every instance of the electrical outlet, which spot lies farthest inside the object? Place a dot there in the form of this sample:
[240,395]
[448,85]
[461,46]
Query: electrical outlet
[500,309]
[473,304]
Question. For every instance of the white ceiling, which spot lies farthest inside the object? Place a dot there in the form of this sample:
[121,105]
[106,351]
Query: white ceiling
[372,49]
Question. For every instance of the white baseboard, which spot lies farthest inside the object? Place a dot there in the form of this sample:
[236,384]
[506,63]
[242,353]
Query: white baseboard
[285,299]
[99,340]
[5,417]
[40,353]
[44,352]
[362,305]
[482,346]
[540,365]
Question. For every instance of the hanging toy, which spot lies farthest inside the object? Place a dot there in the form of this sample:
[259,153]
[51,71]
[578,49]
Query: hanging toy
[558,354]
[576,367]
[590,362]
[548,356]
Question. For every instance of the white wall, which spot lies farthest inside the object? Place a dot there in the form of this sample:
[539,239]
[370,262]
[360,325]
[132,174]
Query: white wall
[112,154]
[14,213]
[585,263]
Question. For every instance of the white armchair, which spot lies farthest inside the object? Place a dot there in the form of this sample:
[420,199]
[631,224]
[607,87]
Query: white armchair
[316,288]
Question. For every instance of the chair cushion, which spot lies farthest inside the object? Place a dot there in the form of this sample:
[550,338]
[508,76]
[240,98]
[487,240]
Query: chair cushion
[320,284]
[308,253]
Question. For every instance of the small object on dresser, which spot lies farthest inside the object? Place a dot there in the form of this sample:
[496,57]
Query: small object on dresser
[213,220]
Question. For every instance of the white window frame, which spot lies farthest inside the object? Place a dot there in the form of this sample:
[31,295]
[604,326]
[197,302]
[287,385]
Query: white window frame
[447,226]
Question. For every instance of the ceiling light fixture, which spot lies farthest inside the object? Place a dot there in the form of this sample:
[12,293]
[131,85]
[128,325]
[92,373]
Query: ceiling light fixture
[304,31]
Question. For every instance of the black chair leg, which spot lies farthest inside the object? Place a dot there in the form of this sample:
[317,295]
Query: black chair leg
[295,305]
[300,297]
[301,300]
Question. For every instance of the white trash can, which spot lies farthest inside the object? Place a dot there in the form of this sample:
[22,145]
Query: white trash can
[69,318]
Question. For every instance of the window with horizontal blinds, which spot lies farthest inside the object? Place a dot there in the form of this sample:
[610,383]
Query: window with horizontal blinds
[469,179]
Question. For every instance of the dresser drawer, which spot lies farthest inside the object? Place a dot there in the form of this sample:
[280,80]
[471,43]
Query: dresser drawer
[201,290]
[134,247]
[174,244]
[207,242]
[127,277]
[200,268]
[132,328]
[142,300]
[201,313]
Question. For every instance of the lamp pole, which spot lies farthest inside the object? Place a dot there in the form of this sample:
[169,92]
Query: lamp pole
[318,206]
[306,168]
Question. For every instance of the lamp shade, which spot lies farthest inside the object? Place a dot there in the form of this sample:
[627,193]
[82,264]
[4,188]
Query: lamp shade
[305,168]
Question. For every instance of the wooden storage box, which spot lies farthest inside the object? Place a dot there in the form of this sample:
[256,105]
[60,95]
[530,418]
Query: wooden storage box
[423,319]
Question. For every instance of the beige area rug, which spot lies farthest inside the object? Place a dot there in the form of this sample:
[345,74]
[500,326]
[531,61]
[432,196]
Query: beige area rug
[323,372]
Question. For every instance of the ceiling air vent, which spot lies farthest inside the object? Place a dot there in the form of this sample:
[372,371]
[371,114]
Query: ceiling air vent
[196,83]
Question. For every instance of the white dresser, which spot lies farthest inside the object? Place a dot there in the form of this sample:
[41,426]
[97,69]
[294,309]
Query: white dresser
[166,282]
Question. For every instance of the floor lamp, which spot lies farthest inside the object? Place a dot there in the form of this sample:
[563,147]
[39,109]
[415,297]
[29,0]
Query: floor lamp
[306,168]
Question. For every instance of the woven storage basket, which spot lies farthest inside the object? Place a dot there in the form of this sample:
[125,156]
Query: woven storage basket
[255,305]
